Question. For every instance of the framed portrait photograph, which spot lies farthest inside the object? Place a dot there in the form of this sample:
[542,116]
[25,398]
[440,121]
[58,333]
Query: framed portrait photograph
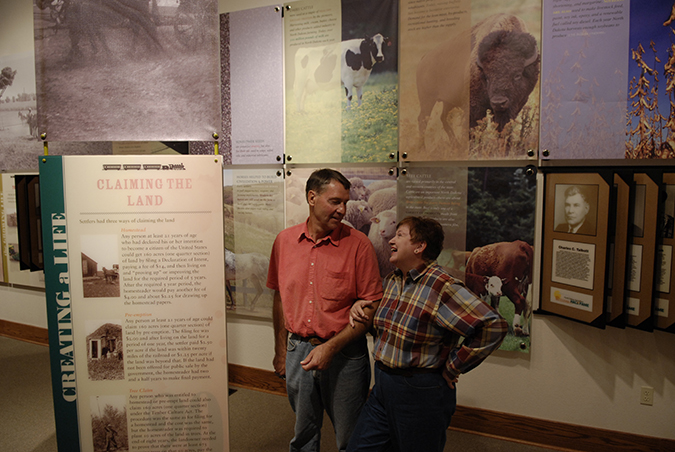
[576,208]
[575,245]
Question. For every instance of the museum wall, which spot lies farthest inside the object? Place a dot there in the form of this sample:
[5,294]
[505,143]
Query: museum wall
[573,374]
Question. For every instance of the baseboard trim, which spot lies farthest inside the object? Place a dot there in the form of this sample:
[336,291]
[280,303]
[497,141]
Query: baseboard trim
[27,333]
[506,426]
[256,379]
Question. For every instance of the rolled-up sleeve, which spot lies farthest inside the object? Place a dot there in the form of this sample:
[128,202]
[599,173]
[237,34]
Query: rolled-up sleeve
[481,326]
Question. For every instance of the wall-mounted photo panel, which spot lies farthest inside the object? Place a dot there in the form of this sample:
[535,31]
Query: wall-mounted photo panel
[575,246]
[19,142]
[28,219]
[664,297]
[252,86]
[35,224]
[372,207]
[135,292]
[9,228]
[254,215]
[341,81]
[650,113]
[488,217]
[584,78]
[23,221]
[617,254]
[644,240]
[459,100]
[108,71]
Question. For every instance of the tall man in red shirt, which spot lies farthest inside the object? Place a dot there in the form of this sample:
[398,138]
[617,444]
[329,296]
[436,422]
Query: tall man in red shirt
[318,269]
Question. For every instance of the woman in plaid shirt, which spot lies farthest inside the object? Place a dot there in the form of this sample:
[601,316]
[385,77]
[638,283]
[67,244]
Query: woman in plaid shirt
[429,329]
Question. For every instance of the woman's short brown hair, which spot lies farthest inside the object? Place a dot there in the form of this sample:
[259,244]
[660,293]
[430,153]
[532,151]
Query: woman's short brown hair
[425,230]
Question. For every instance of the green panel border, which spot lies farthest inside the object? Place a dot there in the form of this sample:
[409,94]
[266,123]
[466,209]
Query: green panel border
[57,290]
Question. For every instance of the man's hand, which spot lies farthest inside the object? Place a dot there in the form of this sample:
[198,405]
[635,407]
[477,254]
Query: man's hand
[280,336]
[357,314]
[319,358]
[279,363]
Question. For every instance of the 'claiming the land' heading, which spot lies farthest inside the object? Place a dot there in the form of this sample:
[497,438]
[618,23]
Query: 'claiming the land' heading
[171,183]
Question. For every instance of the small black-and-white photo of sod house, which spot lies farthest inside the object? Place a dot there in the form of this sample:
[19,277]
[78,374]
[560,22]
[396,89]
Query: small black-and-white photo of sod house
[100,266]
[105,356]
[109,423]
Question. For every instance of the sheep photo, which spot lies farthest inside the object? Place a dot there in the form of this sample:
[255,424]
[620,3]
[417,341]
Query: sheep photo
[371,207]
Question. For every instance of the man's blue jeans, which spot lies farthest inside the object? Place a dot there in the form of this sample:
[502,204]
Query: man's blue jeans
[341,390]
[405,414]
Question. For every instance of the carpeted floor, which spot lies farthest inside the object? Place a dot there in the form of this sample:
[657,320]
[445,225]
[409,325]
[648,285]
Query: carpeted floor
[258,421]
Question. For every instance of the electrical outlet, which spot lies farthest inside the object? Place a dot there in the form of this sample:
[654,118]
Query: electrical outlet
[647,395]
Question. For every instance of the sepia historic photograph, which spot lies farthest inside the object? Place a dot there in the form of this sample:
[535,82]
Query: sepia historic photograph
[127,69]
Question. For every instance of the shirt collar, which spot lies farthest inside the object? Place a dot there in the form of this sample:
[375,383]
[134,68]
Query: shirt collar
[417,272]
[333,238]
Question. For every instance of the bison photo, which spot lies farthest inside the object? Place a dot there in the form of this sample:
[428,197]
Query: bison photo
[499,74]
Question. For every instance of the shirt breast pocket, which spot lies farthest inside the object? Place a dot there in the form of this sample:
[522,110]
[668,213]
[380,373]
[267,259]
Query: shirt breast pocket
[336,286]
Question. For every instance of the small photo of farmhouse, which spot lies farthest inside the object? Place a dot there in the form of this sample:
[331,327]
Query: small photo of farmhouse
[105,357]
[109,423]
[100,266]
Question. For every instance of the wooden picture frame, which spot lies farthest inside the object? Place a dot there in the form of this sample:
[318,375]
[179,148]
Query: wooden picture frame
[615,292]
[664,296]
[575,246]
[642,251]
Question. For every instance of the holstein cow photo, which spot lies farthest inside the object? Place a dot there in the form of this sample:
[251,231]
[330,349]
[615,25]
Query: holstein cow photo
[358,58]
[315,67]
[506,266]
[502,71]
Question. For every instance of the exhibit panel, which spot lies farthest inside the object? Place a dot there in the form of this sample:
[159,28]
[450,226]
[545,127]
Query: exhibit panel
[575,246]
[488,216]
[14,272]
[254,215]
[27,189]
[135,290]
[617,255]
[584,86]
[19,144]
[312,34]
[643,249]
[251,98]
[650,81]
[108,71]
[341,81]
[664,299]
[469,79]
